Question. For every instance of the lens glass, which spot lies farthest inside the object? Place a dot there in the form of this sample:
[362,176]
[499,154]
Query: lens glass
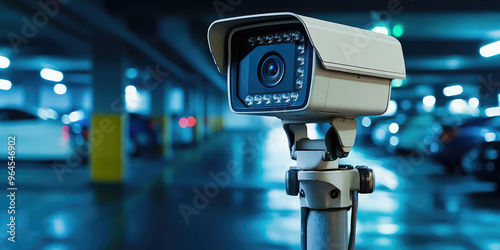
[271,70]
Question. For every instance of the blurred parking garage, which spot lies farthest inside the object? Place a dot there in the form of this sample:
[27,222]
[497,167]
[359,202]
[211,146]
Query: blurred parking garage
[121,122]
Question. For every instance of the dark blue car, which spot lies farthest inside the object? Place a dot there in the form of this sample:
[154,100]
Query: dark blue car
[457,142]
[483,161]
[144,135]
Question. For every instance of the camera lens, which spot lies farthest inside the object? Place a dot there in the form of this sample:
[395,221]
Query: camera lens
[271,70]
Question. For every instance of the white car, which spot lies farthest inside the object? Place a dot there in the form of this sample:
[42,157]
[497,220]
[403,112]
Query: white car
[38,136]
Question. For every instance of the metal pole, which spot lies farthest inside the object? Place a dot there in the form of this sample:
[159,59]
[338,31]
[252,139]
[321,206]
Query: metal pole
[327,229]
[327,190]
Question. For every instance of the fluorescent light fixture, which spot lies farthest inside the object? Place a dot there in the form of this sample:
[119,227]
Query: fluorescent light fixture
[429,100]
[4,62]
[453,63]
[492,111]
[453,90]
[474,102]
[131,73]
[397,83]
[427,109]
[76,115]
[46,113]
[65,119]
[381,30]
[60,89]
[130,89]
[394,141]
[51,75]
[458,106]
[490,50]
[391,108]
[393,128]
[5,84]
[490,137]
[132,98]
[176,100]
[366,122]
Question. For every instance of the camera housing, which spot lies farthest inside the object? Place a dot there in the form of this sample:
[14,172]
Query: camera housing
[296,67]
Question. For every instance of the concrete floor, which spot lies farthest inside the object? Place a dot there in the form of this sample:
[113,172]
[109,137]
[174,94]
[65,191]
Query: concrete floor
[415,205]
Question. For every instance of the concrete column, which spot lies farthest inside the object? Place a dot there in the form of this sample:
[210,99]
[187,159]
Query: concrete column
[198,107]
[488,90]
[162,117]
[441,99]
[210,112]
[79,101]
[221,103]
[215,100]
[108,130]
[32,95]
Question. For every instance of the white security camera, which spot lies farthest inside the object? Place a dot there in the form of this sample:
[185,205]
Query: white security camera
[303,70]
[296,67]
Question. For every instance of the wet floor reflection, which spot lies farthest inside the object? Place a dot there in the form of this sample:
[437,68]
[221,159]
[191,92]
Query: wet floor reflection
[229,194]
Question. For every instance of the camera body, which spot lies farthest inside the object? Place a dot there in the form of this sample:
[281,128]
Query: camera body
[295,67]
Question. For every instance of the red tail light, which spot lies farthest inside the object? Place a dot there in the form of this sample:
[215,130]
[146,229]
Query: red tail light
[85,134]
[183,122]
[191,121]
[65,132]
[448,135]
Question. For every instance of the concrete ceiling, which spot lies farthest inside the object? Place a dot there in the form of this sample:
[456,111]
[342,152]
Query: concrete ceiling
[441,38]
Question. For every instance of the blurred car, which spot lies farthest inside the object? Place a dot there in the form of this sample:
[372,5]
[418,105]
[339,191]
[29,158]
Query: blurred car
[144,135]
[483,161]
[39,137]
[407,134]
[455,143]
[417,133]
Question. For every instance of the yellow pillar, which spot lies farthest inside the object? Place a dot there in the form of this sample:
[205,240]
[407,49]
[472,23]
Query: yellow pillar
[108,129]
[107,138]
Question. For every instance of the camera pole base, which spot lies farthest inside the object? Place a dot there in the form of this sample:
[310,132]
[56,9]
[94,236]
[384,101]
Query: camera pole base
[325,189]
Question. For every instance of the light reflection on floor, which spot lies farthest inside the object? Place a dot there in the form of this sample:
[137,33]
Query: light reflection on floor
[425,209]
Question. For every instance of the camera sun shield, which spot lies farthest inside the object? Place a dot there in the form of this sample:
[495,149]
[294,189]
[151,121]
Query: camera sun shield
[299,68]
